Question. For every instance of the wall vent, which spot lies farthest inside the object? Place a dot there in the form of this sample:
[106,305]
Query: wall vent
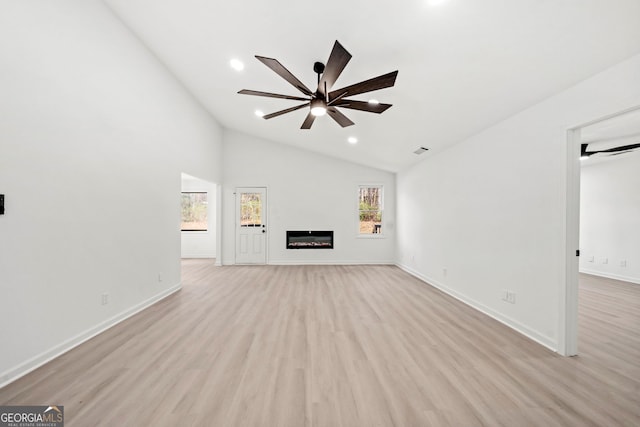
[421,150]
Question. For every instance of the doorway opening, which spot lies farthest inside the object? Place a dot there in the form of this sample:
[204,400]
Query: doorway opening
[603,221]
[200,213]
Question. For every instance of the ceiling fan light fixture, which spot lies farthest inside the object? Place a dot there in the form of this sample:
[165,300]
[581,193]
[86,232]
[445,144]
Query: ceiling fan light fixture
[318,108]
[318,111]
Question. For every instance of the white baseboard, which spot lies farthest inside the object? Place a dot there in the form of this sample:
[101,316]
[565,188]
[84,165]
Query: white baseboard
[197,255]
[611,276]
[328,262]
[513,324]
[35,362]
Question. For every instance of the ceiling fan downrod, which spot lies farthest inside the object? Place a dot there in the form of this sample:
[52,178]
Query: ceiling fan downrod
[318,68]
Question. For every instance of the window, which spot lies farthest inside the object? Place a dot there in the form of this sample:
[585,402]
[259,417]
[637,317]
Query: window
[370,207]
[250,210]
[194,212]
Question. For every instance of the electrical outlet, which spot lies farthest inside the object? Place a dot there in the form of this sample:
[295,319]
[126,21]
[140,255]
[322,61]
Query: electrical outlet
[605,260]
[159,277]
[591,258]
[105,299]
[508,296]
[623,263]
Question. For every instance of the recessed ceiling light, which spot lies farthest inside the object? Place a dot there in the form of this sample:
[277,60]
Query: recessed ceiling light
[374,102]
[236,64]
[352,140]
[259,113]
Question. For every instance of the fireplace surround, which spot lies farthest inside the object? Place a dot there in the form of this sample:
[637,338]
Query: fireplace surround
[313,239]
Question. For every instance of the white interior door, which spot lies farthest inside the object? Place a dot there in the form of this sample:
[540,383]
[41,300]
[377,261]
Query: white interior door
[251,225]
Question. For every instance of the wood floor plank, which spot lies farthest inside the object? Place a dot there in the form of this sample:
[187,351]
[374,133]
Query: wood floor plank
[341,346]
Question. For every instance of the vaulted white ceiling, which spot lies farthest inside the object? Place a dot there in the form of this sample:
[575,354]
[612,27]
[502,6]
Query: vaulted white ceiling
[463,64]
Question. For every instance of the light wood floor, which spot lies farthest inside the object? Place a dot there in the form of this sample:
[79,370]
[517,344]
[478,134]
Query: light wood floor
[341,346]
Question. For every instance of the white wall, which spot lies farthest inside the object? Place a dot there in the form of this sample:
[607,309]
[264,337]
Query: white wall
[610,218]
[201,244]
[491,210]
[94,134]
[305,191]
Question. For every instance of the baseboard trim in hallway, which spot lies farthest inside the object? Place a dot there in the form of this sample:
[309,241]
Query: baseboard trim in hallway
[506,320]
[34,363]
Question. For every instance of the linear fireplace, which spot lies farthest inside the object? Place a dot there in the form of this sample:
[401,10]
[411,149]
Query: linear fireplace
[309,239]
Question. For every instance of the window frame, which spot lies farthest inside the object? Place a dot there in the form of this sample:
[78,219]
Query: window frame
[381,234]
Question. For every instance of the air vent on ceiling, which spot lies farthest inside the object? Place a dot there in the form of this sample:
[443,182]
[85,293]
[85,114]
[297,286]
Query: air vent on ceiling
[421,150]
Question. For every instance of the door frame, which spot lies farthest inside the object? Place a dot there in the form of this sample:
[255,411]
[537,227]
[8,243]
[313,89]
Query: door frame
[568,328]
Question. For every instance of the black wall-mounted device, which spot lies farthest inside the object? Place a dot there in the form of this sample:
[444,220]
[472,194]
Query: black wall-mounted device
[1,204]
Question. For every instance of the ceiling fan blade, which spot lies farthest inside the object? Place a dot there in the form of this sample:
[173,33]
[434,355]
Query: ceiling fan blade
[583,150]
[288,110]
[284,73]
[617,153]
[621,148]
[376,83]
[337,98]
[308,121]
[362,106]
[271,95]
[339,117]
[338,59]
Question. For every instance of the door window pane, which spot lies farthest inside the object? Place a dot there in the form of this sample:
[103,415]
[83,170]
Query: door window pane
[250,210]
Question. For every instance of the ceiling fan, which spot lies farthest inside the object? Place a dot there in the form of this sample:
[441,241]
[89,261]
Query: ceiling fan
[324,100]
[585,152]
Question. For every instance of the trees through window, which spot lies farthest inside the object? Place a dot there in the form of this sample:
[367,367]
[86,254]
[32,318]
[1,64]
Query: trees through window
[250,210]
[370,208]
[194,212]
